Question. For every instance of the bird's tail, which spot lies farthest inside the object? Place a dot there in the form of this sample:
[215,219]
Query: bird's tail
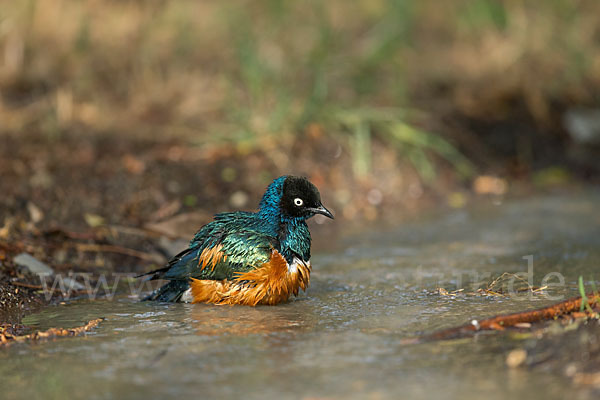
[156,274]
[170,292]
[161,272]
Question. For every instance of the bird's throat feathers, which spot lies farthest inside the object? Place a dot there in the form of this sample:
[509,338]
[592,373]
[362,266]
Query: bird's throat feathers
[294,238]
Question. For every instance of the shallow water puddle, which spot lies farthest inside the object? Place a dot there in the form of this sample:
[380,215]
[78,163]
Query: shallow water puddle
[343,339]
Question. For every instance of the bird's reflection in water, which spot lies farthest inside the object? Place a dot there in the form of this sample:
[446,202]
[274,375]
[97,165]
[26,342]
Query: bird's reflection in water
[242,320]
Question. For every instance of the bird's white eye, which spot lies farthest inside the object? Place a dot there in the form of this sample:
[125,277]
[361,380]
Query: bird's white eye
[298,201]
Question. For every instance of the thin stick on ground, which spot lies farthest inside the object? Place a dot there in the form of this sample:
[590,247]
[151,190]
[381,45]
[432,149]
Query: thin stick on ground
[109,248]
[71,291]
[491,287]
[502,322]
[7,338]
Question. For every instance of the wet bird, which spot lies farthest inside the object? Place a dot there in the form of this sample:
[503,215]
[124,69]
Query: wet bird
[245,257]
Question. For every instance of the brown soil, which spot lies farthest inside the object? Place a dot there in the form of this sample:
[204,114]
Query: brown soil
[104,203]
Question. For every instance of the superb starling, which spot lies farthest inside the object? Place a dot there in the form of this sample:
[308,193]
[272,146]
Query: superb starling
[248,258]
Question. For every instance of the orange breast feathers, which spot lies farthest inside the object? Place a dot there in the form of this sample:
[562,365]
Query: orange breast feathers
[271,283]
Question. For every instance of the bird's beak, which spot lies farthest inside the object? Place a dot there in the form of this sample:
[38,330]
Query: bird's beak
[323,211]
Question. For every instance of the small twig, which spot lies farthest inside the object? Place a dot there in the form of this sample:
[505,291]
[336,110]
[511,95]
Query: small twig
[504,321]
[50,289]
[509,275]
[109,248]
[6,338]
[70,234]
[134,231]
[26,285]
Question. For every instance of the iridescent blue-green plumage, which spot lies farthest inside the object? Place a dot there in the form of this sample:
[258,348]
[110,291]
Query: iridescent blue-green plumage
[246,239]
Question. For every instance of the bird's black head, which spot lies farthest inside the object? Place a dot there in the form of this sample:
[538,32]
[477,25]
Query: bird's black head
[301,199]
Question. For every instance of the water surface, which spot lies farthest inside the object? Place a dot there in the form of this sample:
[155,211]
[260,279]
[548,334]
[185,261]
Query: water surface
[344,337]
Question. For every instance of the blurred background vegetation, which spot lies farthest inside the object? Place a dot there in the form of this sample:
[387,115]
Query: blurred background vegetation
[378,100]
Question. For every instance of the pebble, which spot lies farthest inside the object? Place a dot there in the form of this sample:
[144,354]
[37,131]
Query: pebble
[34,265]
[516,358]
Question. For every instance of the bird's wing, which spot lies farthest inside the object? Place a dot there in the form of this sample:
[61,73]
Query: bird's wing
[222,256]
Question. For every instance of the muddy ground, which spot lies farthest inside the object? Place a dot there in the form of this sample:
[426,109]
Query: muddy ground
[103,203]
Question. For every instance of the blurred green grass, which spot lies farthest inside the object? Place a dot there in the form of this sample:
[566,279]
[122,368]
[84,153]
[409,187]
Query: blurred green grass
[258,74]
